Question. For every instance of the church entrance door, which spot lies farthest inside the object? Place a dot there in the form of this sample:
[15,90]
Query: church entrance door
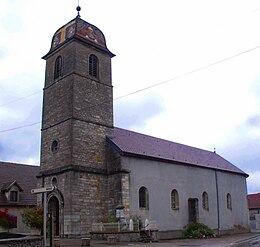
[54,210]
[193,210]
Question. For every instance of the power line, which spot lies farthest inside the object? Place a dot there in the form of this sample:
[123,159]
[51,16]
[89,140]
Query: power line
[27,96]
[189,73]
[19,127]
[152,86]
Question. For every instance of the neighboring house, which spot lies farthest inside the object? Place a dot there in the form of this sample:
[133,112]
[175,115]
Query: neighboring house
[16,182]
[95,166]
[253,205]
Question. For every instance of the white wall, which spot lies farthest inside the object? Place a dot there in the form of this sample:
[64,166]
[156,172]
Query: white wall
[190,182]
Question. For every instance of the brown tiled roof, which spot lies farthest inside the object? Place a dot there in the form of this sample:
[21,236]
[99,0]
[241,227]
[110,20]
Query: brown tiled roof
[22,175]
[253,201]
[131,143]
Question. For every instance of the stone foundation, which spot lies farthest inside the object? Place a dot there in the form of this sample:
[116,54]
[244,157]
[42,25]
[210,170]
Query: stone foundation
[22,242]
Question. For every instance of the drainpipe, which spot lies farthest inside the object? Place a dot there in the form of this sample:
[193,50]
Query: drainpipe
[217,194]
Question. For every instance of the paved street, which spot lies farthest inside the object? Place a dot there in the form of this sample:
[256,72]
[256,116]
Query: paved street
[253,242]
[238,240]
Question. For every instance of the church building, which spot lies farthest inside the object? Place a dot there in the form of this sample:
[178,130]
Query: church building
[94,166]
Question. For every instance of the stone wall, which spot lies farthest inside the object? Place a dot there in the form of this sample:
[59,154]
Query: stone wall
[22,242]
[78,115]
[83,199]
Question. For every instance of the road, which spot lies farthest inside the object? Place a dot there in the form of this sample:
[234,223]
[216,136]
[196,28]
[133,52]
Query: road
[253,242]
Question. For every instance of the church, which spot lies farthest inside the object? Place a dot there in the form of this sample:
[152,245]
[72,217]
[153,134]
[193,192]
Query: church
[95,166]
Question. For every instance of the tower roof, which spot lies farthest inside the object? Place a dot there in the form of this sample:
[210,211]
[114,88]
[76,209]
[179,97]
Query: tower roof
[82,31]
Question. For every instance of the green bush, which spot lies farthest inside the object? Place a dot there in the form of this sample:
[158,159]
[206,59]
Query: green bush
[109,219]
[198,230]
[33,217]
[137,221]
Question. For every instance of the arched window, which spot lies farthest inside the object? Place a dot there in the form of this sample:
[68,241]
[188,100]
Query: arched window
[205,201]
[229,201]
[143,198]
[93,66]
[174,199]
[58,67]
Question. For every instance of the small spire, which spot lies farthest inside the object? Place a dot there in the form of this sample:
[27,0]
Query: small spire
[214,150]
[78,9]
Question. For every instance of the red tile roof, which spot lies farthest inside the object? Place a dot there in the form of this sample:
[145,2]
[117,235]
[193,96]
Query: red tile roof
[131,143]
[24,176]
[253,201]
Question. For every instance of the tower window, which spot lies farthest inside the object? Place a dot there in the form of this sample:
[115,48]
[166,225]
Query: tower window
[143,198]
[54,181]
[54,146]
[205,201]
[58,67]
[93,66]
[174,199]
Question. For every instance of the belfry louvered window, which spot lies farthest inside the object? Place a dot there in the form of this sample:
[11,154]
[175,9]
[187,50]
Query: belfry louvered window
[58,67]
[93,66]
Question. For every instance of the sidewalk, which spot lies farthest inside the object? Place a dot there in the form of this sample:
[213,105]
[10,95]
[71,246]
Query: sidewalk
[223,241]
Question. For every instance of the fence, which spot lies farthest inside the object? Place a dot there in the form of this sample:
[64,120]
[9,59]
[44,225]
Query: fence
[123,226]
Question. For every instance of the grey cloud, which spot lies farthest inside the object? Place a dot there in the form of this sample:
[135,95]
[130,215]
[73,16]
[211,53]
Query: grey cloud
[253,121]
[2,151]
[136,112]
[242,152]
[20,145]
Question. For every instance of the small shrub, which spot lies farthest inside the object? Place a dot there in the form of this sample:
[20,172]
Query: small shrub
[198,230]
[33,217]
[137,221]
[109,219]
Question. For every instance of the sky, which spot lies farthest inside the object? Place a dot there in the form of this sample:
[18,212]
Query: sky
[185,70]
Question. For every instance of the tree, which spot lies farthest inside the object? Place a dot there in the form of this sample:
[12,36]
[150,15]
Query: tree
[33,217]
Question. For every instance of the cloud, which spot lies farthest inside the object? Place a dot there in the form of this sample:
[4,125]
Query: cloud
[2,149]
[12,23]
[3,53]
[21,145]
[135,112]
[253,121]
[253,182]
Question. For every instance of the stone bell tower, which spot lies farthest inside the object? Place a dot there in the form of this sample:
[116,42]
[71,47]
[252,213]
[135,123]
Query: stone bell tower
[77,116]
